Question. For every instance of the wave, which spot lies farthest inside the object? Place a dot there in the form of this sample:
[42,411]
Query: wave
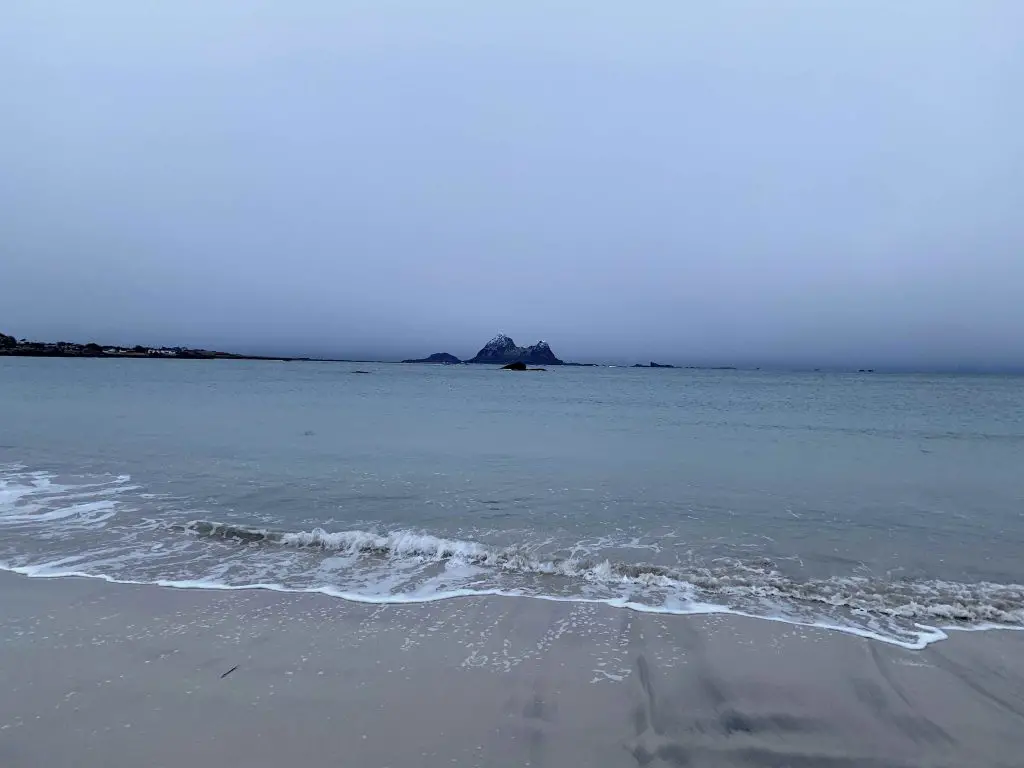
[400,543]
[735,583]
[411,544]
[46,517]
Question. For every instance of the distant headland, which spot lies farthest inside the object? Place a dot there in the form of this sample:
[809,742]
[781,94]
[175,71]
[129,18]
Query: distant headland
[11,347]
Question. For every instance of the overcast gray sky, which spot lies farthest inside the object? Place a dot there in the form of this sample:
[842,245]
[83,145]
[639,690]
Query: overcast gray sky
[716,182]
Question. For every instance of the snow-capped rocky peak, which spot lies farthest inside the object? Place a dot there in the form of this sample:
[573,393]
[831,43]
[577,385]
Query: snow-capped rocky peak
[502,350]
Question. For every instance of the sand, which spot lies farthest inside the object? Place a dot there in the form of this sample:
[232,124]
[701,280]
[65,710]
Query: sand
[95,674]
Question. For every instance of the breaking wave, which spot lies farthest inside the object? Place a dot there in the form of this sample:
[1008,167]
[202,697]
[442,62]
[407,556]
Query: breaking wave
[94,526]
[735,585]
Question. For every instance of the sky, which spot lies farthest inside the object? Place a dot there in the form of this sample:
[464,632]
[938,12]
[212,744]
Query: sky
[769,183]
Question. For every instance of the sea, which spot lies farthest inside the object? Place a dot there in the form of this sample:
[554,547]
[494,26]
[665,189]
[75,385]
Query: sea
[889,506]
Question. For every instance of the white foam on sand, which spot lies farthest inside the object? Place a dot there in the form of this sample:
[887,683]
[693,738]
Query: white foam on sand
[924,636]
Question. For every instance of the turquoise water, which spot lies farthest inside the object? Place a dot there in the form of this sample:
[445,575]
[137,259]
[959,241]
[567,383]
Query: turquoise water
[888,505]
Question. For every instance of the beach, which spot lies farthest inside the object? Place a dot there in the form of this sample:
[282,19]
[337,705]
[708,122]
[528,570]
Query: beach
[100,674]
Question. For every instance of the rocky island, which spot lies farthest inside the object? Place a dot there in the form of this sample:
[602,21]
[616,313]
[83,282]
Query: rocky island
[653,365]
[438,358]
[501,350]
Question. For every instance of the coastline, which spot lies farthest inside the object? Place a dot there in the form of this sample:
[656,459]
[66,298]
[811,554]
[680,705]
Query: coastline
[927,634]
[11,347]
[155,355]
[99,674]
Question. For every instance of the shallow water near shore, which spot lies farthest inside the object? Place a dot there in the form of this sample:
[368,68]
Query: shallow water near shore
[890,506]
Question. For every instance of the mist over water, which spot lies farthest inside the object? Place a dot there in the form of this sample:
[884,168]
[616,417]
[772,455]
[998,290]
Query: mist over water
[797,184]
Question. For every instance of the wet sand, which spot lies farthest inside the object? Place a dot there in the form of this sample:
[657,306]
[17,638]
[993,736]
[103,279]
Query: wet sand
[94,674]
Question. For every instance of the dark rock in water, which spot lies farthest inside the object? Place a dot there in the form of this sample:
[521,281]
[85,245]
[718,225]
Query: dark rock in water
[438,358]
[501,350]
[653,365]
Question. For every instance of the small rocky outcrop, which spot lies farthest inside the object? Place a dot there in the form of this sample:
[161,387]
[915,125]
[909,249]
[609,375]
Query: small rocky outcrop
[438,358]
[652,364]
[501,350]
[520,367]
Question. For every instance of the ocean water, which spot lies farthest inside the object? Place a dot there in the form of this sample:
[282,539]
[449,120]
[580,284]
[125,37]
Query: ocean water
[890,506]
